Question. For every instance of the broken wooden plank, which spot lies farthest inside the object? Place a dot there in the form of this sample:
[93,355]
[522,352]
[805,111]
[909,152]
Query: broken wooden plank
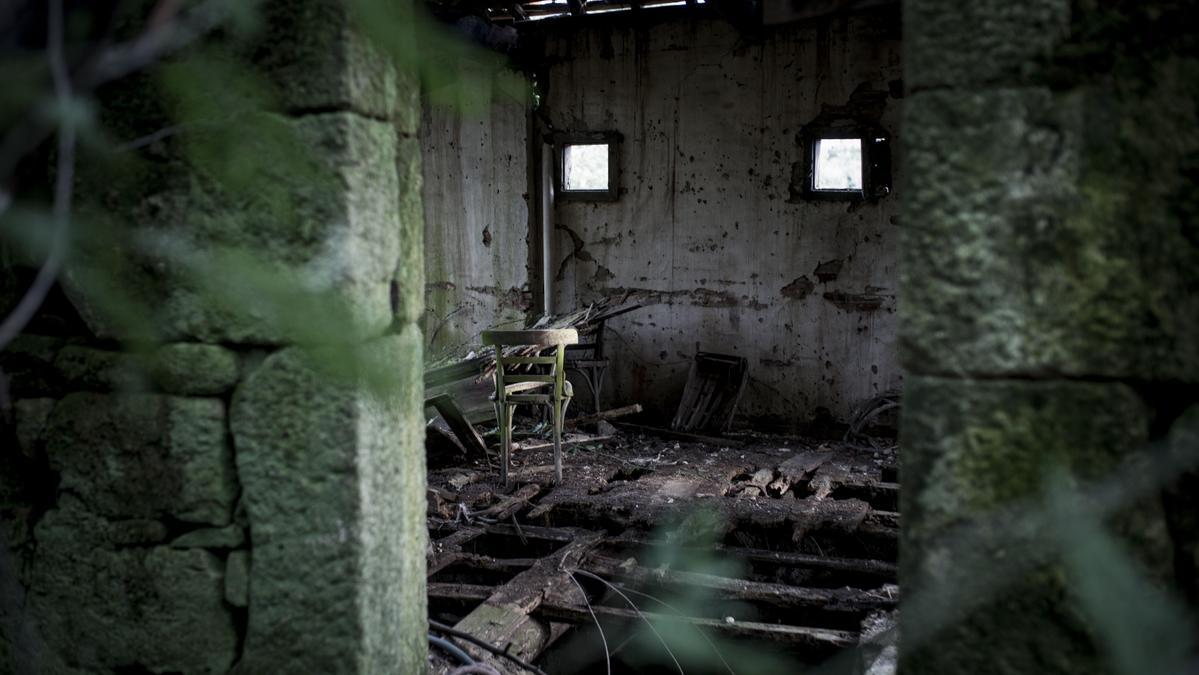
[779,595]
[864,566]
[510,504]
[503,619]
[566,443]
[605,415]
[564,534]
[442,552]
[577,614]
[801,465]
[445,406]
[795,635]
[682,435]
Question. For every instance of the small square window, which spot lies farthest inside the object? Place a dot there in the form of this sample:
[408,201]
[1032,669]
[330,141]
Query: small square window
[845,162]
[838,164]
[585,167]
[588,165]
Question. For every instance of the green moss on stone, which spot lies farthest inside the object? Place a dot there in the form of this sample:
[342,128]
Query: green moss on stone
[237,578]
[410,267]
[99,608]
[1025,257]
[28,364]
[144,455]
[957,44]
[314,243]
[978,456]
[333,472]
[194,369]
[232,536]
[319,61]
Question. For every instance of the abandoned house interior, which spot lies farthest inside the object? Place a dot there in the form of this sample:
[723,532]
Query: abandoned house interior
[599,336]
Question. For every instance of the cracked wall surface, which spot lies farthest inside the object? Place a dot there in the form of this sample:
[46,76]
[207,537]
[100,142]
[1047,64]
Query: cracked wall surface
[476,216]
[708,231]
[221,499]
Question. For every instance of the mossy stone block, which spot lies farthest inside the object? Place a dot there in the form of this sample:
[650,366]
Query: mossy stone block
[194,369]
[410,267]
[100,608]
[970,44]
[308,255]
[144,455]
[28,363]
[319,60]
[237,578]
[29,419]
[232,536]
[978,459]
[1021,259]
[332,463]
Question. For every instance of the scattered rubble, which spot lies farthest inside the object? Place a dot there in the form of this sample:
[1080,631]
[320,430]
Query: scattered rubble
[792,541]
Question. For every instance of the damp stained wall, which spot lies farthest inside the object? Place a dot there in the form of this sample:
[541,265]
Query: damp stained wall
[476,217]
[707,230]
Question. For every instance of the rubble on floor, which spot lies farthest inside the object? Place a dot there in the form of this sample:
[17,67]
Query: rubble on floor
[769,548]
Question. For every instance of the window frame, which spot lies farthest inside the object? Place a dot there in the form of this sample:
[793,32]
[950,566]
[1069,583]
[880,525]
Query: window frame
[612,139]
[876,162]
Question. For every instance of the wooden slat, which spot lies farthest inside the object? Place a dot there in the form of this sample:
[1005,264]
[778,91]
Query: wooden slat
[517,379]
[779,595]
[530,360]
[799,635]
[448,408]
[529,398]
[864,566]
[796,635]
[503,618]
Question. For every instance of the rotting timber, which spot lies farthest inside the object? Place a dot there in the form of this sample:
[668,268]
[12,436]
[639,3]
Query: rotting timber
[803,535]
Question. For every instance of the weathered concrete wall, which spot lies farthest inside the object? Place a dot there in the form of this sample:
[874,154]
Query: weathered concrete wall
[476,216]
[706,229]
[223,497]
[1049,270]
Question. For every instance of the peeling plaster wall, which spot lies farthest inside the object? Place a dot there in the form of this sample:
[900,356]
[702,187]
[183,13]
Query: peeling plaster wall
[476,219]
[707,230]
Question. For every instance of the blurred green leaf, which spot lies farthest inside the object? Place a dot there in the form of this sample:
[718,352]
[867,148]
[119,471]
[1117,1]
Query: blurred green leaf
[1137,624]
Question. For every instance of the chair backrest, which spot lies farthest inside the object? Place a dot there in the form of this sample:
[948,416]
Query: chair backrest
[533,341]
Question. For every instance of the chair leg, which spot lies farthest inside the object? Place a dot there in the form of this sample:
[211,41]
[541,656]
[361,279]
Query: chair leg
[558,411]
[599,385]
[504,415]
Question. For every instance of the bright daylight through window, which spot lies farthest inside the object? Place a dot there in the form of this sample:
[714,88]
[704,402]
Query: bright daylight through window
[585,167]
[838,164]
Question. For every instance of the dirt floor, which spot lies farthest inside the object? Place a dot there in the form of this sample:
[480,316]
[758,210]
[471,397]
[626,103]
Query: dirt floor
[752,553]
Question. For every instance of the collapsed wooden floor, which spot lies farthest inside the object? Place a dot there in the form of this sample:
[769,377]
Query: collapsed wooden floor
[783,543]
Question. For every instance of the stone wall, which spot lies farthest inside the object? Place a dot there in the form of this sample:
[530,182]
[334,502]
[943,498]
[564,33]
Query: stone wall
[237,492]
[1049,268]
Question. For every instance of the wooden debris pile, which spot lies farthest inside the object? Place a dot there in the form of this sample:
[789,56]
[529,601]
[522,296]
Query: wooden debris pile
[803,537]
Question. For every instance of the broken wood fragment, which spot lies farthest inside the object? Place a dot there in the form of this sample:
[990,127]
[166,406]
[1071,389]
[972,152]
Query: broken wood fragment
[447,407]
[503,620]
[682,435]
[577,614]
[780,595]
[796,635]
[605,415]
[798,467]
[865,566]
[510,504]
[566,443]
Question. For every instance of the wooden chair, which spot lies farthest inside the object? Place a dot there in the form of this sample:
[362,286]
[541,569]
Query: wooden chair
[512,388]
